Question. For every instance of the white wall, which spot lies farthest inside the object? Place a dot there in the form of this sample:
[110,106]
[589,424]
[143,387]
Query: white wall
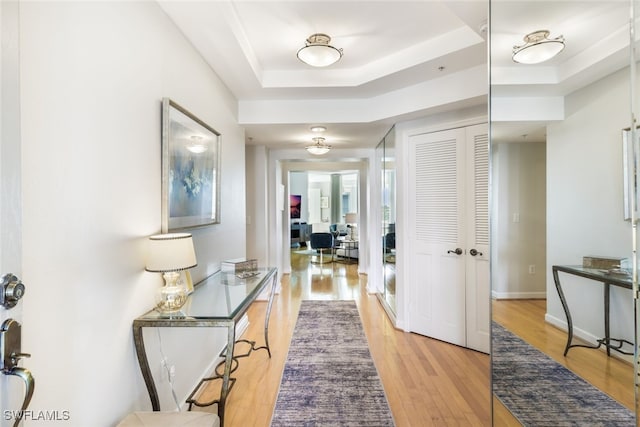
[584,203]
[256,196]
[92,77]
[518,239]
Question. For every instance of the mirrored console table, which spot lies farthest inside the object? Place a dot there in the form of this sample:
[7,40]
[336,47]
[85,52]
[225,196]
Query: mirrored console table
[220,300]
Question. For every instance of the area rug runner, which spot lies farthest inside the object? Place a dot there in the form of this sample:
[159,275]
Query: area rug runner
[329,377]
[540,392]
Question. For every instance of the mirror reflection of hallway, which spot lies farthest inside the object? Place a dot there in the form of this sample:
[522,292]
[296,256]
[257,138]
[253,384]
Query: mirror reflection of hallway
[557,187]
[386,160]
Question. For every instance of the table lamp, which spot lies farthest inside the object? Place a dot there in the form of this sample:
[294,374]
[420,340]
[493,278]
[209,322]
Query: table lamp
[349,219]
[170,254]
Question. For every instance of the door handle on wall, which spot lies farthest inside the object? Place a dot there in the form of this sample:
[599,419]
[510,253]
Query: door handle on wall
[474,252]
[458,251]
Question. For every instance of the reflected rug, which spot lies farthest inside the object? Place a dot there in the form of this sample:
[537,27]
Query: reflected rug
[329,377]
[540,392]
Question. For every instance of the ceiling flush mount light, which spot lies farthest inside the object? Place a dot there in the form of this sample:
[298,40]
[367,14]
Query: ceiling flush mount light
[319,148]
[318,129]
[538,48]
[318,52]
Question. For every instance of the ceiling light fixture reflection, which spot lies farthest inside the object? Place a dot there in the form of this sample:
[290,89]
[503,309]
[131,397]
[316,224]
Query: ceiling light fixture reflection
[318,129]
[197,144]
[318,52]
[319,148]
[538,48]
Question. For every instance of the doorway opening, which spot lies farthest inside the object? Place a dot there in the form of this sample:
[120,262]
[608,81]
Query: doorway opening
[325,202]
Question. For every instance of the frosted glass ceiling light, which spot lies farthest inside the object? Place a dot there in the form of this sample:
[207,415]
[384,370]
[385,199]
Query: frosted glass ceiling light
[319,148]
[538,48]
[318,52]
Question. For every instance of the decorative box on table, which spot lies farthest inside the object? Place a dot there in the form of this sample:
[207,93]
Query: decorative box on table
[241,267]
[601,262]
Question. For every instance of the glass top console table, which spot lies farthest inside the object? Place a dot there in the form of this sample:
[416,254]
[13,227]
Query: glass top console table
[608,279]
[220,300]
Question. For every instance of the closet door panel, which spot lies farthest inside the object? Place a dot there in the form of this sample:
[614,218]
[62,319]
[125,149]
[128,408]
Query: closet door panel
[478,285]
[436,273]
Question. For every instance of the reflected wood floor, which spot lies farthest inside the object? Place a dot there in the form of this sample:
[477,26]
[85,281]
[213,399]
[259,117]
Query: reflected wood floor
[427,382]
[525,318]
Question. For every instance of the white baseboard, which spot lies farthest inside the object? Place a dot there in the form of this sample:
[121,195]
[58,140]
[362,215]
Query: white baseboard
[518,295]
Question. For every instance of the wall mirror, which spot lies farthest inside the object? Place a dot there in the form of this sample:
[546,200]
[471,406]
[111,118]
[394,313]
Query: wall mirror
[557,197]
[385,154]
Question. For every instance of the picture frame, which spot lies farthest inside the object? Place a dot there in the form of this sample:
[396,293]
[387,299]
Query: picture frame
[630,174]
[324,202]
[295,206]
[190,170]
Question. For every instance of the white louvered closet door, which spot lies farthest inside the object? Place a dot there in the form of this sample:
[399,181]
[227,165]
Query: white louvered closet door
[437,272]
[478,285]
[449,217]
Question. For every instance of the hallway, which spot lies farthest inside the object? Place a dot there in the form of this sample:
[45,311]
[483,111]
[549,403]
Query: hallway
[427,382]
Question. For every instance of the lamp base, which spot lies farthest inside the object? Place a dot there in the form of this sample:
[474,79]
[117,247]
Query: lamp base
[172,296]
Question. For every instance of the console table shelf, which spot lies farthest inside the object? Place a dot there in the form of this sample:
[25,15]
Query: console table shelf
[220,300]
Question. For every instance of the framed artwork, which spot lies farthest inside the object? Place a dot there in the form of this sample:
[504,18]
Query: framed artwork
[630,174]
[324,202]
[295,205]
[190,170]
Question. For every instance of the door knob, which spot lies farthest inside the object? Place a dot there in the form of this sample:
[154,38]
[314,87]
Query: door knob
[458,251]
[474,252]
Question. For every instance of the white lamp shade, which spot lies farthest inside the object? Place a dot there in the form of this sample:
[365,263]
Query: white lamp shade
[351,218]
[171,252]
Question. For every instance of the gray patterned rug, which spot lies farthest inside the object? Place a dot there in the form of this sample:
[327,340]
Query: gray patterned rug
[540,392]
[329,377]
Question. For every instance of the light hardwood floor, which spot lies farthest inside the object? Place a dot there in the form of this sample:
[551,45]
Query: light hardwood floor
[525,318]
[427,382]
